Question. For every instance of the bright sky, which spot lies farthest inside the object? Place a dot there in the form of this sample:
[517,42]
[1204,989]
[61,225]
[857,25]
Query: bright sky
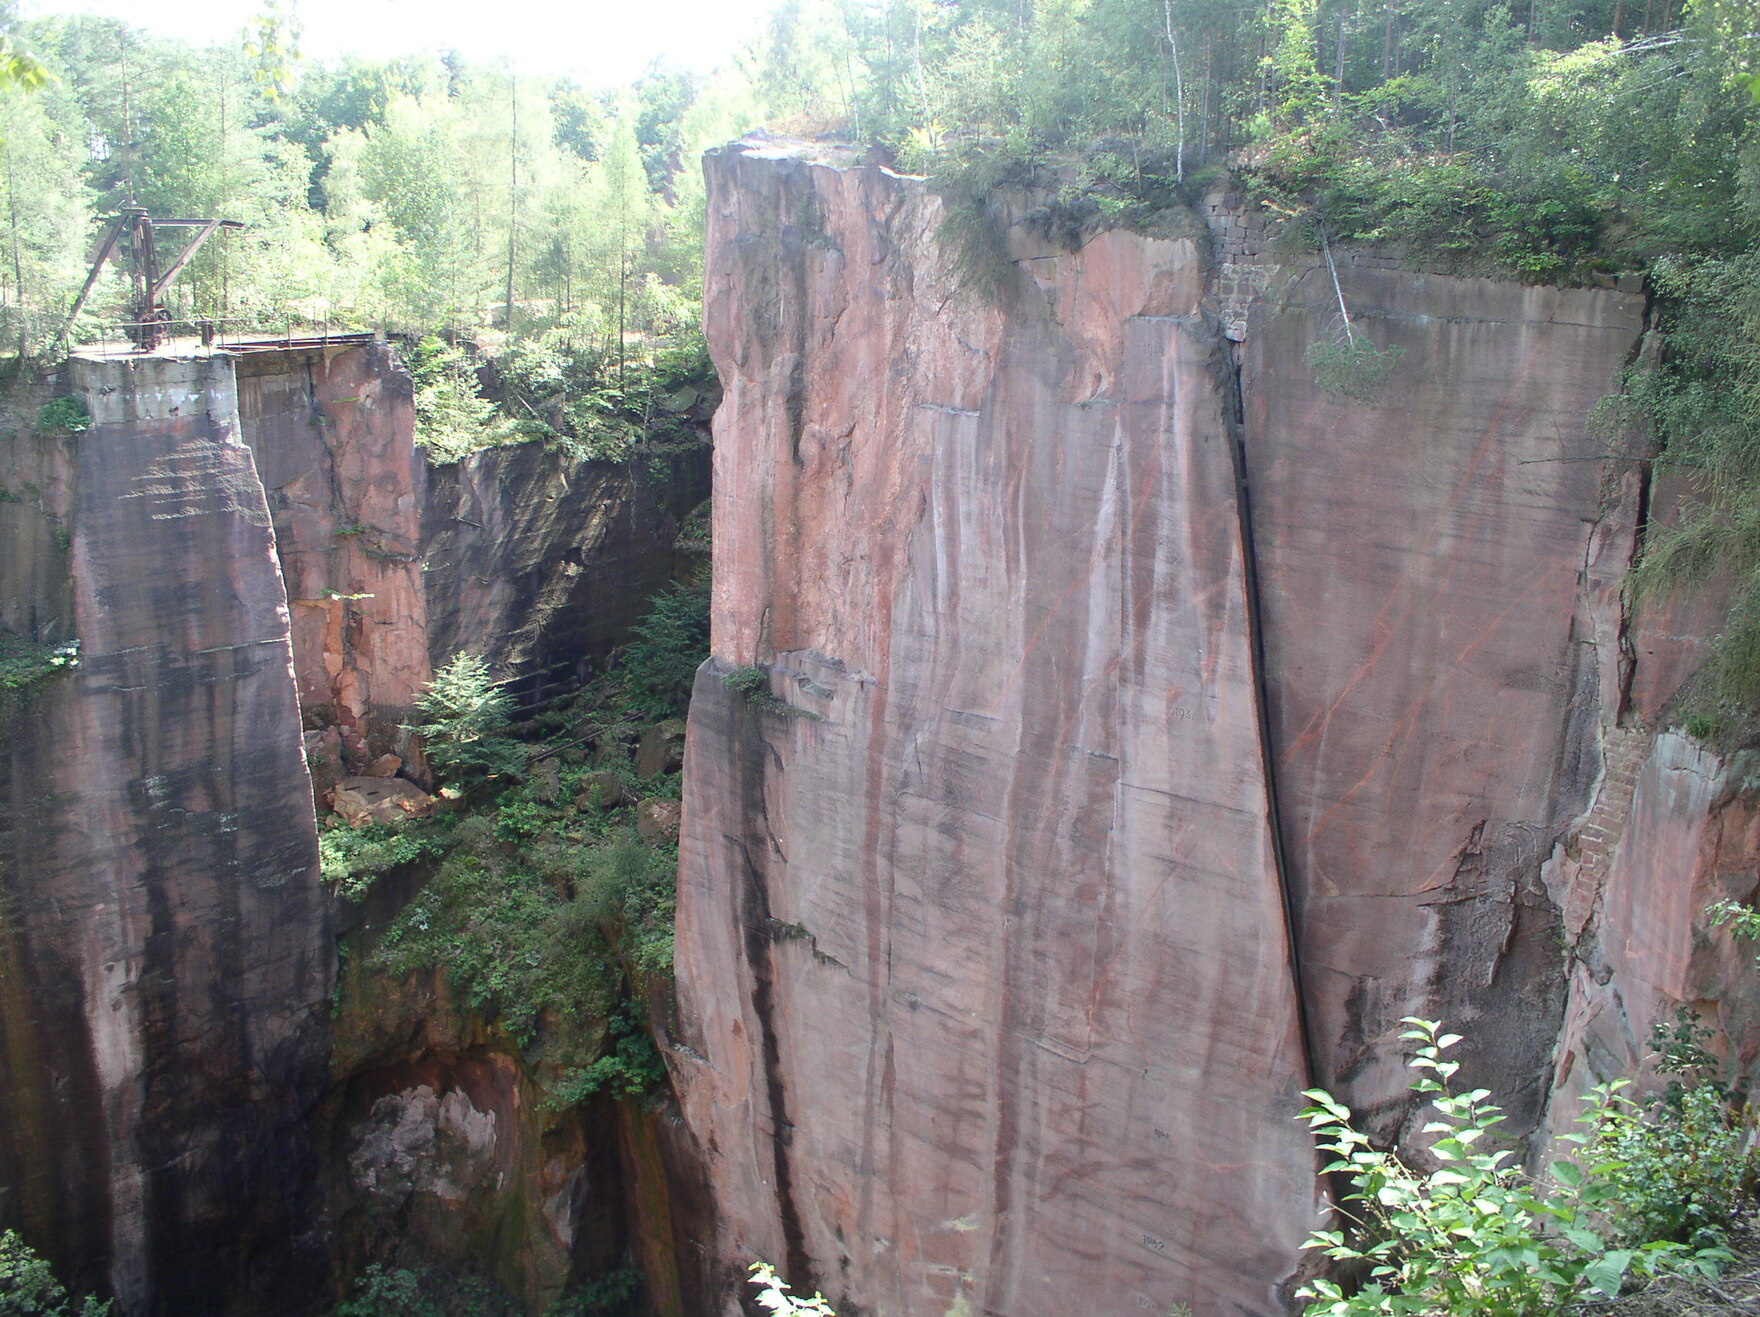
[597,41]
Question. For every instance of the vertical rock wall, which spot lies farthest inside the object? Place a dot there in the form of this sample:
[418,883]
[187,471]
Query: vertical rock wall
[165,950]
[333,431]
[1121,659]
[543,564]
[983,968]
[166,941]
[1440,579]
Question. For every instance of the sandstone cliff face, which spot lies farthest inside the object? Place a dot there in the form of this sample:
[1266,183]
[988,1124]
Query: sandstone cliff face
[1440,582]
[1127,662]
[167,953]
[242,543]
[542,565]
[333,431]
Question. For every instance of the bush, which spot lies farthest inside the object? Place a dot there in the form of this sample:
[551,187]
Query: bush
[352,859]
[510,945]
[1674,1173]
[611,1295]
[24,664]
[671,642]
[419,1291]
[1476,1236]
[389,1292]
[631,1068]
[1353,367]
[468,716]
[66,415]
[28,1287]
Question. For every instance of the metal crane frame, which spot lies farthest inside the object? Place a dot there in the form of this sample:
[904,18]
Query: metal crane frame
[137,232]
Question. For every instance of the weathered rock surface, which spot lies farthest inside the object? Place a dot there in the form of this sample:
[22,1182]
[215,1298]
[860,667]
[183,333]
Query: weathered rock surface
[444,1149]
[386,799]
[333,433]
[658,820]
[538,562]
[1109,689]
[166,956]
[1439,581]
[167,959]
[542,564]
[661,749]
[985,993]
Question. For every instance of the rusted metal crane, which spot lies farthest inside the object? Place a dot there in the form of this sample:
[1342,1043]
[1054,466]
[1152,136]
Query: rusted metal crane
[135,233]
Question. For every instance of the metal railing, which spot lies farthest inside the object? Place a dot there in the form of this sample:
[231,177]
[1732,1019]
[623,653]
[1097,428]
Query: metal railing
[128,338]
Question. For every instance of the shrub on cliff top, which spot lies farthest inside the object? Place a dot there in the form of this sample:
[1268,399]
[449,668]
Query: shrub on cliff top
[67,415]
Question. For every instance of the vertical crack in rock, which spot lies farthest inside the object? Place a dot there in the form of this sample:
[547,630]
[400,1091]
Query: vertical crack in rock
[756,923]
[1228,367]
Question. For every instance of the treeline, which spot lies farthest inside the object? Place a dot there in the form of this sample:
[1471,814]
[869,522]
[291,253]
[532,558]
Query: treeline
[1550,140]
[418,195]
[1555,140]
[1554,136]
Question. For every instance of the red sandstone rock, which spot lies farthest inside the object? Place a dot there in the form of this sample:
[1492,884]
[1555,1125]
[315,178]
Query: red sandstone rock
[333,432]
[658,819]
[1442,624]
[983,969]
[983,975]
[168,961]
[364,800]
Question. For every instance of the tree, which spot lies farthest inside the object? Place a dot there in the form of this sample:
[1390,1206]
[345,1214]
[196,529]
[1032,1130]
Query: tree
[468,715]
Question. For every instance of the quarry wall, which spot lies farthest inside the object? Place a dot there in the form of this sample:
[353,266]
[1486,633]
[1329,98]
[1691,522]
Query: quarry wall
[1149,730]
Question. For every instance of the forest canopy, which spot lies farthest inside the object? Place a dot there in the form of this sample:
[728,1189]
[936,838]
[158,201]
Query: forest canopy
[556,228]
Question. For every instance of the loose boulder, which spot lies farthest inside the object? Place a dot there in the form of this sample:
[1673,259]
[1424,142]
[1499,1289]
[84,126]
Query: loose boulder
[662,749]
[601,790]
[364,800]
[657,820]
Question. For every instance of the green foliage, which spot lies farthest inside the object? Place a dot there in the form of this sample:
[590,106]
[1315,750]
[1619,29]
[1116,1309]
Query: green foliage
[420,1291]
[659,665]
[511,945]
[352,859]
[750,681]
[632,1068]
[1352,367]
[753,683]
[452,418]
[1674,1172]
[1743,921]
[383,1291]
[565,389]
[611,1295]
[631,886]
[26,665]
[774,1295]
[28,1287]
[518,912]
[465,734]
[64,415]
[1475,1235]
